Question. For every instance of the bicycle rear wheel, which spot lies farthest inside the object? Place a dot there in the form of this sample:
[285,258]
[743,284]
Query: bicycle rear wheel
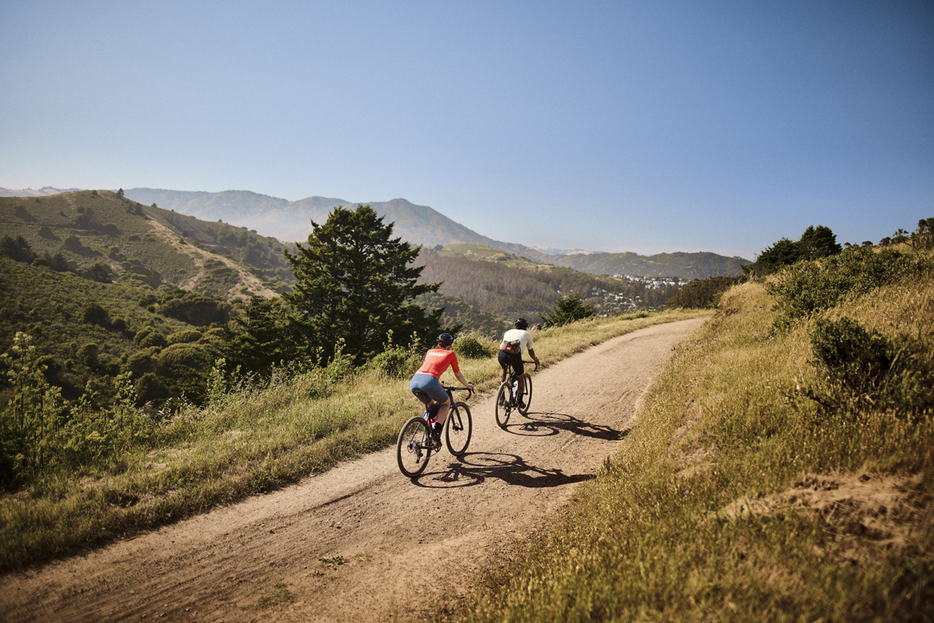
[503,404]
[527,396]
[413,449]
[458,429]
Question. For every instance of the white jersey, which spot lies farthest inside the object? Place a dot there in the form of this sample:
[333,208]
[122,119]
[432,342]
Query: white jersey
[524,337]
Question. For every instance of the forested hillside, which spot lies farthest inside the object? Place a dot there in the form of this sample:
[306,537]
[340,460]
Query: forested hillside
[685,266]
[506,285]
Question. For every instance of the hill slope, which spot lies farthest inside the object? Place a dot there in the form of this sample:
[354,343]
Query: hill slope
[147,246]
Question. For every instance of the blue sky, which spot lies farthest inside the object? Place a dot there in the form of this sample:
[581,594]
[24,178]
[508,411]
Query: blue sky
[651,127]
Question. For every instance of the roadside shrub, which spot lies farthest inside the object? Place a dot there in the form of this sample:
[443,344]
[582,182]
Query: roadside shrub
[31,419]
[567,309]
[395,361]
[470,347]
[865,370]
[702,293]
[809,287]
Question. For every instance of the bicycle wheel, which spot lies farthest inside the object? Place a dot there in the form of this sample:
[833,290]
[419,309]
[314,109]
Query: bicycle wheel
[414,447]
[458,429]
[503,404]
[527,397]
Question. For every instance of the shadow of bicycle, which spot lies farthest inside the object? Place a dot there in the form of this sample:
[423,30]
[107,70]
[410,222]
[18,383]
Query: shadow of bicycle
[545,424]
[475,468]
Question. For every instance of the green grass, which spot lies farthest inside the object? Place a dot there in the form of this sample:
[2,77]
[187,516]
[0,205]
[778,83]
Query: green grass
[249,440]
[659,536]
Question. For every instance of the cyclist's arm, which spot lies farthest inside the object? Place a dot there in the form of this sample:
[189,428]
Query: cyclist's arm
[460,377]
[534,358]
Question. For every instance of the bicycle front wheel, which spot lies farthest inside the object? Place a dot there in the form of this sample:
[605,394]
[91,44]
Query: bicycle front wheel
[413,449]
[503,404]
[458,429]
[527,397]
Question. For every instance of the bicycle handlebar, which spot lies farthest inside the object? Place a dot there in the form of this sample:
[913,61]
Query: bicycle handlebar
[449,389]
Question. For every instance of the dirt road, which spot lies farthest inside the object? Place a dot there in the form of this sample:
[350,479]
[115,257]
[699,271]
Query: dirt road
[361,542]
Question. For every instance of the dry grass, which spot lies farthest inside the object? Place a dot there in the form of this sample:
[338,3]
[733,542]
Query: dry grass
[736,500]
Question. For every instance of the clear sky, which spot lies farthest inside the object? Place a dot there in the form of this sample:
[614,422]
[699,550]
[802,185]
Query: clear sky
[647,126]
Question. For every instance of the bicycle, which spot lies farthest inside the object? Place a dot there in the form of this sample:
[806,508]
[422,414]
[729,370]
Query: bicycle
[416,444]
[507,397]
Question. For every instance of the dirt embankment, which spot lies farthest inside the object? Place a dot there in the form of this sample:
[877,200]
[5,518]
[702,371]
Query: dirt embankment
[361,542]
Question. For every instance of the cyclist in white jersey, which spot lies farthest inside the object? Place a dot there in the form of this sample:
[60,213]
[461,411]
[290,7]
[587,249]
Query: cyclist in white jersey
[515,342]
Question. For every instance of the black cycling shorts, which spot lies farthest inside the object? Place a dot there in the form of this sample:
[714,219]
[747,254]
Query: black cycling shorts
[510,359]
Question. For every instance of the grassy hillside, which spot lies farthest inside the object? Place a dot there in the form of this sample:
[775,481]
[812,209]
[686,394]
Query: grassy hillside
[146,246]
[782,468]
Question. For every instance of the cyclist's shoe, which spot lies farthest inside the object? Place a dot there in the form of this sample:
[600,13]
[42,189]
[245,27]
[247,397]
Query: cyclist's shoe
[436,441]
[520,402]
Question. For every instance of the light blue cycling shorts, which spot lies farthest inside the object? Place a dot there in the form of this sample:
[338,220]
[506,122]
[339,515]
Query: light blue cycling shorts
[430,385]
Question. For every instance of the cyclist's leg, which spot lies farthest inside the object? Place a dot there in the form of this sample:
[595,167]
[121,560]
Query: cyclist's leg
[504,363]
[433,388]
[442,414]
[519,367]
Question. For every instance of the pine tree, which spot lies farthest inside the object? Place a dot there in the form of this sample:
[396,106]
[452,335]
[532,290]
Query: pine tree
[354,285]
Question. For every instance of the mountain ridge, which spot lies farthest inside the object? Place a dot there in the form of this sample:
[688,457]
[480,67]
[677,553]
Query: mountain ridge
[290,221]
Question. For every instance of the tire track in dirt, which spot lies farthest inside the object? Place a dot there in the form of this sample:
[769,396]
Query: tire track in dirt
[361,542]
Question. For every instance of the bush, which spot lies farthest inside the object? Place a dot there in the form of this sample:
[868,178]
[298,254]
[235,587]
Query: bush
[864,370]
[184,337]
[93,313]
[470,347]
[88,354]
[808,287]
[702,293]
[396,362]
[196,309]
[147,337]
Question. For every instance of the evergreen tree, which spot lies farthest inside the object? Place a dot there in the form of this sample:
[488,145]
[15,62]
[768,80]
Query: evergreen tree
[817,242]
[782,253]
[261,337]
[567,310]
[17,249]
[354,286]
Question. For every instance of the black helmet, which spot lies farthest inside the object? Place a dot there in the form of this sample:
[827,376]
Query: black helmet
[522,323]
[445,340]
